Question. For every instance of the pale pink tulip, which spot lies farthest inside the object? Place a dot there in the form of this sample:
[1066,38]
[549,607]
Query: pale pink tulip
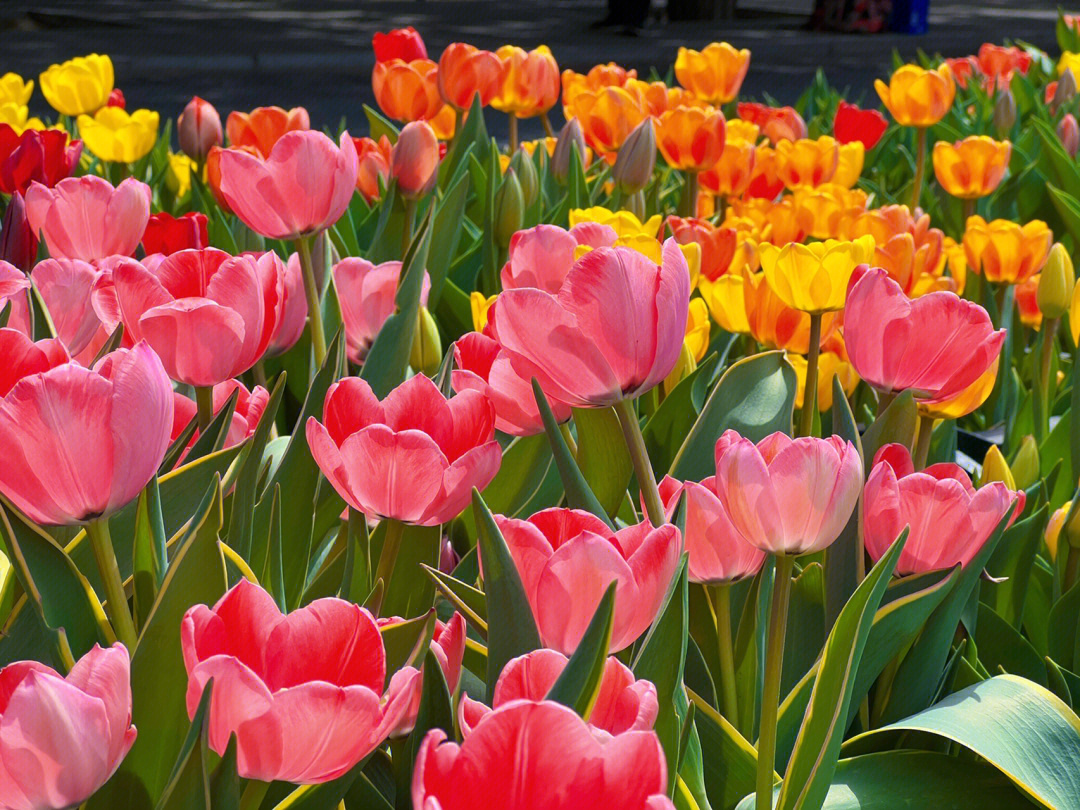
[294,311]
[66,286]
[366,292]
[13,287]
[86,218]
[246,415]
[541,256]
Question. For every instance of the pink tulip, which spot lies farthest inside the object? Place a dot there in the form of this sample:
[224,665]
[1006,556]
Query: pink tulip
[788,496]
[66,286]
[413,457]
[613,331]
[949,519]
[78,443]
[246,415]
[198,129]
[21,357]
[302,692]
[540,755]
[414,160]
[542,256]
[294,311]
[303,187]
[622,703]
[485,367]
[366,292]
[62,738]
[567,558]
[86,218]
[936,345]
[209,315]
[13,286]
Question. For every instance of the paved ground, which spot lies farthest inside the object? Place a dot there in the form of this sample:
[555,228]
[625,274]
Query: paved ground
[242,53]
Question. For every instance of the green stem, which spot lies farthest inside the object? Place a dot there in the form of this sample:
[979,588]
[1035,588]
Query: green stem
[311,290]
[204,401]
[809,402]
[969,212]
[391,545]
[635,443]
[548,129]
[720,599]
[770,697]
[407,229]
[688,204]
[117,604]
[922,444]
[568,437]
[885,399]
[513,133]
[1041,402]
[920,167]
[254,793]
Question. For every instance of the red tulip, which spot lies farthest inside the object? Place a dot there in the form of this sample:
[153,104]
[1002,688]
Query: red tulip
[949,520]
[209,315]
[567,558]
[373,165]
[414,160]
[541,256]
[199,129]
[718,245]
[852,124]
[540,755]
[788,496]
[18,241]
[303,692]
[622,703]
[466,71]
[249,409]
[303,187]
[482,365]
[400,43]
[78,443]
[44,155]
[61,738]
[116,99]
[294,310]
[366,292]
[614,329]
[168,234]
[413,457]
[66,286]
[448,646]
[936,345]
[776,123]
[86,218]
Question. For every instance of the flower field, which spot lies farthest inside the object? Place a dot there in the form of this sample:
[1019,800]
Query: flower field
[703,454]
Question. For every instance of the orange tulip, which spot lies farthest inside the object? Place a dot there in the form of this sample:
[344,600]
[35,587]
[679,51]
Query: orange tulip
[607,116]
[765,183]
[213,171]
[407,91]
[971,168]
[718,245]
[821,211]
[1004,251]
[691,138]
[849,164]
[807,162]
[261,128]
[714,73]
[773,323]
[1027,304]
[466,71]
[767,221]
[609,75]
[373,165]
[917,97]
[927,257]
[528,83]
[776,123]
[732,174]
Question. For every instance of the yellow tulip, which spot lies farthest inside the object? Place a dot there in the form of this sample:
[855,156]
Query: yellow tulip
[1005,251]
[17,117]
[624,223]
[963,403]
[814,278]
[697,329]
[971,168]
[80,85]
[114,135]
[713,74]
[480,306]
[917,97]
[849,164]
[14,89]
[1074,315]
[823,210]
[178,177]
[1069,61]
[726,302]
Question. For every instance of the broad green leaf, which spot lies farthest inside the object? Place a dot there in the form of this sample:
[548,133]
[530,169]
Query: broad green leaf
[406,642]
[324,796]
[1054,161]
[436,711]
[730,761]
[1062,626]
[666,429]
[895,424]
[525,465]
[1001,645]
[379,125]
[602,455]
[149,557]
[187,784]
[1013,560]
[844,558]
[445,234]
[410,592]
[579,683]
[213,438]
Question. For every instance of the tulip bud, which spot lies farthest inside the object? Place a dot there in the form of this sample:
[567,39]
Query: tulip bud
[1056,283]
[199,129]
[116,99]
[1004,112]
[509,209]
[1025,467]
[1071,523]
[1065,91]
[570,137]
[18,245]
[684,367]
[414,160]
[636,159]
[1069,134]
[525,170]
[995,468]
[448,558]
[1053,529]
[426,354]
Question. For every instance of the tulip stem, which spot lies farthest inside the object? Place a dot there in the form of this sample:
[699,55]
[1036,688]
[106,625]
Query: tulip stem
[635,443]
[204,400]
[809,401]
[690,194]
[253,795]
[922,444]
[969,212]
[720,599]
[920,167]
[311,290]
[513,132]
[391,545]
[568,437]
[1041,402]
[407,228]
[770,697]
[548,129]
[117,604]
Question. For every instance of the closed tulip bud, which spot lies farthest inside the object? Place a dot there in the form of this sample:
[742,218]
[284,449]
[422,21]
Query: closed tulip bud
[1004,112]
[509,209]
[199,129]
[995,468]
[571,137]
[637,159]
[426,354]
[18,244]
[525,170]
[414,161]
[1066,89]
[1025,467]
[1069,134]
[1056,283]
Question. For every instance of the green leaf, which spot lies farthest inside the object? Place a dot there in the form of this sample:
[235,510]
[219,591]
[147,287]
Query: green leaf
[1068,207]
[469,601]
[526,462]
[410,592]
[213,438]
[445,235]
[1062,627]
[406,642]
[844,558]
[579,683]
[379,125]
[1054,161]
[149,557]
[666,429]
[1001,645]
[436,709]
[602,456]
[895,424]
[1013,560]
[188,774]
[756,397]
[511,629]
[224,780]
[324,796]
[730,761]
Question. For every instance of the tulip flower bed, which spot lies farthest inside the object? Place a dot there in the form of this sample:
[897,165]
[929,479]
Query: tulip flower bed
[705,455]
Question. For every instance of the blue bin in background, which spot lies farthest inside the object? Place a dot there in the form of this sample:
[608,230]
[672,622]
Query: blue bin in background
[910,16]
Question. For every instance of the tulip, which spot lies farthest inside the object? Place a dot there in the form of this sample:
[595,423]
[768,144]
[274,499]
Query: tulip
[636,160]
[852,124]
[948,520]
[13,283]
[61,738]
[407,91]
[65,285]
[78,86]
[1027,304]
[1068,132]
[528,84]
[510,754]
[725,299]
[167,234]
[1004,113]
[23,357]
[807,162]
[1056,283]
[18,241]
[849,164]
[622,703]
[247,412]
[263,127]
[115,136]
[691,138]
[303,693]
[814,278]
[1064,90]
[86,218]
[832,363]
[466,71]
[571,138]
[764,182]
[917,97]
[776,123]
[448,646]
[213,171]
[479,307]
[607,116]
[426,354]
[45,156]
[208,315]
[1025,467]
[731,175]
[400,43]
[713,74]
[293,310]
[541,257]
[718,245]
[367,295]
[1004,251]
[199,129]
[15,90]
[971,168]
[583,222]
[18,118]
[414,160]
[372,166]
[567,558]
[772,322]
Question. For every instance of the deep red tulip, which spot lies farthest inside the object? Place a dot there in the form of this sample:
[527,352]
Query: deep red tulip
[249,409]
[198,129]
[366,292]
[400,43]
[116,99]
[413,457]
[168,234]
[448,646]
[61,738]
[852,124]
[44,155]
[78,443]
[86,218]
[303,692]
[18,241]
